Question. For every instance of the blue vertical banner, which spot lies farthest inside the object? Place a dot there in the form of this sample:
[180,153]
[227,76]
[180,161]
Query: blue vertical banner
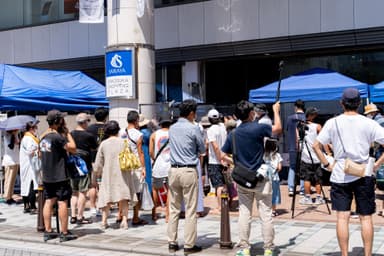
[119,67]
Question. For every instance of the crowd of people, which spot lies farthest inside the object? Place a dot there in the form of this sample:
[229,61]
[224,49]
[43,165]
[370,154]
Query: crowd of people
[179,157]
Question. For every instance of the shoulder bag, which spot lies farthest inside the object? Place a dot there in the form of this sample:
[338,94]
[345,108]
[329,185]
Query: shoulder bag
[127,159]
[240,174]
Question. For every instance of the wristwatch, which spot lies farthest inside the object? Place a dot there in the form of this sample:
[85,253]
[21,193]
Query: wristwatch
[326,165]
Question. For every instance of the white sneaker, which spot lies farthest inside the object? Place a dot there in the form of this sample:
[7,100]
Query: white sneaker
[306,201]
[95,212]
[319,200]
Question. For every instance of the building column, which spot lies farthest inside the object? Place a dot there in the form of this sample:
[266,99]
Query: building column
[132,27]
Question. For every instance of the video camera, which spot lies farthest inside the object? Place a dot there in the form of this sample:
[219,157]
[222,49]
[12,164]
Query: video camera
[302,127]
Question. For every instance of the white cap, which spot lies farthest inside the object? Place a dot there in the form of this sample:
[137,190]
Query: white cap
[213,113]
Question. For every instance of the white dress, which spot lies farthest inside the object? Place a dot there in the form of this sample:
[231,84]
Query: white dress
[27,174]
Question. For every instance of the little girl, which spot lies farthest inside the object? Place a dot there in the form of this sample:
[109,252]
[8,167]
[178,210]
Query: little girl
[273,159]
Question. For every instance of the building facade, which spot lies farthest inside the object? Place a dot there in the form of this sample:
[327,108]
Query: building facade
[215,50]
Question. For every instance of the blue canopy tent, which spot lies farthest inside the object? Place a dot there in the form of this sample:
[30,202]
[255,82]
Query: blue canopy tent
[376,92]
[315,84]
[24,88]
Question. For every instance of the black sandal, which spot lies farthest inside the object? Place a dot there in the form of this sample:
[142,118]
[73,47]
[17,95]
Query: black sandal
[73,220]
[84,221]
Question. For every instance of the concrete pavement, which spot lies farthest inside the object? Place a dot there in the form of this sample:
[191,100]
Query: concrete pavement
[299,236]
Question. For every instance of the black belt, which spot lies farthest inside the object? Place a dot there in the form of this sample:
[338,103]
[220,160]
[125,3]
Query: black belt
[183,165]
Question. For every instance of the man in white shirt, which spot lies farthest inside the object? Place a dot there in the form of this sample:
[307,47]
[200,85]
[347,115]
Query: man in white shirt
[351,135]
[216,135]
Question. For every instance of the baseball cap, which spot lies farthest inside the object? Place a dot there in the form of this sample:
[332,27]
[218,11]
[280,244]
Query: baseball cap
[370,108]
[143,121]
[311,111]
[82,117]
[205,121]
[213,113]
[261,108]
[53,114]
[351,94]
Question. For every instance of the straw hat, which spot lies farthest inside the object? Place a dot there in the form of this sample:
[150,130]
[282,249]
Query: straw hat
[370,108]
[143,121]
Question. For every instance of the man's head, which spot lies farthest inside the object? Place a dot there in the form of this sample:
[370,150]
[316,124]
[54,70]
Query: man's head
[165,120]
[261,109]
[111,128]
[213,116]
[311,113]
[371,110]
[351,99]
[188,108]
[299,105]
[55,117]
[133,117]
[245,111]
[101,114]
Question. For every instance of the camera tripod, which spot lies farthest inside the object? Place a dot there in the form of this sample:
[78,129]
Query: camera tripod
[301,143]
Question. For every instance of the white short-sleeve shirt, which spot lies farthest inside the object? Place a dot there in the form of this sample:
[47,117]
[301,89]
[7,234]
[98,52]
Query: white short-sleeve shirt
[356,133]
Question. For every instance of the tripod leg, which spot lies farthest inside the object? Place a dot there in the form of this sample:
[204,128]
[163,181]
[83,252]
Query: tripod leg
[325,199]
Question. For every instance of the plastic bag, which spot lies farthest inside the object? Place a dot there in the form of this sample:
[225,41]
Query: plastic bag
[36,162]
[146,199]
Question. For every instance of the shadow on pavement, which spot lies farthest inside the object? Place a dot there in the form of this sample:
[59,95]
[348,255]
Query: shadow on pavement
[356,251]
[87,231]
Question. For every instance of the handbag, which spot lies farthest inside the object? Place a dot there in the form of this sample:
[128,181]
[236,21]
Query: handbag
[127,159]
[353,168]
[241,175]
[76,166]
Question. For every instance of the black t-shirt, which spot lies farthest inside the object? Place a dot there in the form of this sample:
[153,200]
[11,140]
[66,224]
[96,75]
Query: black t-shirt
[97,130]
[85,142]
[53,158]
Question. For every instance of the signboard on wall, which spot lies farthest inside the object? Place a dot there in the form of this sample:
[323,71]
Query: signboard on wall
[119,72]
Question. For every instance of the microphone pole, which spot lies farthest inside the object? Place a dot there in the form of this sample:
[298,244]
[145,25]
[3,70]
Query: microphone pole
[281,65]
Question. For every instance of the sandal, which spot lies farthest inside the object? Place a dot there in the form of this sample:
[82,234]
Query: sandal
[84,221]
[140,222]
[73,220]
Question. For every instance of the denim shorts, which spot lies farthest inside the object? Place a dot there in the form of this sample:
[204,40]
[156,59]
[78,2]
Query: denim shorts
[362,189]
[215,173]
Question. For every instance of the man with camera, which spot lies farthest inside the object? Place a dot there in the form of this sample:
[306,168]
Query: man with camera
[351,136]
[249,139]
[293,144]
[56,142]
[310,170]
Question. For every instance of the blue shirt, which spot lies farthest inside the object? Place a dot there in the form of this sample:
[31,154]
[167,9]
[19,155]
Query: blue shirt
[185,142]
[291,129]
[249,138]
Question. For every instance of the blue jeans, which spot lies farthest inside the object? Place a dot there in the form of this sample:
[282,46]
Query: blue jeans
[291,181]
[291,172]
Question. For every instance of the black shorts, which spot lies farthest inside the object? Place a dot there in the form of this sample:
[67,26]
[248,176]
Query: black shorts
[364,191]
[61,190]
[215,173]
[311,172]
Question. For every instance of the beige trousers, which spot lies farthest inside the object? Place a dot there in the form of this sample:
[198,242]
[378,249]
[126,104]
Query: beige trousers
[10,173]
[183,186]
[262,193]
